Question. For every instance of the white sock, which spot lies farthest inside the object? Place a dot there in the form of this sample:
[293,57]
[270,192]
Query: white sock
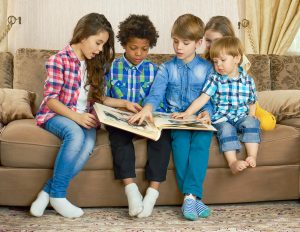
[65,208]
[149,202]
[40,204]
[135,199]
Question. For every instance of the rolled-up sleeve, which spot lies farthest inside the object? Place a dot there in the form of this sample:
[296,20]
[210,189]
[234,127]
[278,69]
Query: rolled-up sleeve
[252,93]
[158,88]
[210,88]
[55,80]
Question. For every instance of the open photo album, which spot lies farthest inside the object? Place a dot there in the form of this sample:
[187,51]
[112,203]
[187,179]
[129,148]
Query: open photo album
[119,119]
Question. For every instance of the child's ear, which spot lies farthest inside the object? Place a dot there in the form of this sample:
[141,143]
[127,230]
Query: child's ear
[198,43]
[237,59]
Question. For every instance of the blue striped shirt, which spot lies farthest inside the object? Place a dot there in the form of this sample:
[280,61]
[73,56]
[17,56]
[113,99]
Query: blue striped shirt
[231,97]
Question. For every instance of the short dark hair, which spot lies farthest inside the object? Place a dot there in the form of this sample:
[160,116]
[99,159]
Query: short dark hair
[138,26]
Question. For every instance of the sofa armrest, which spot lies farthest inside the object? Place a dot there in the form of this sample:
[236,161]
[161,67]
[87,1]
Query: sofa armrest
[6,70]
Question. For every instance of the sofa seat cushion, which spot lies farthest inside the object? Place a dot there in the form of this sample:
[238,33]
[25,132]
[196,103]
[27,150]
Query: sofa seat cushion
[278,147]
[25,145]
[294,122]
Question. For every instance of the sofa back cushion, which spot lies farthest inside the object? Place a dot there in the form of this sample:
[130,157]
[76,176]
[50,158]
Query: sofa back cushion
[30,72]
[6,70]
[260,68]
[285,72]
[260,71]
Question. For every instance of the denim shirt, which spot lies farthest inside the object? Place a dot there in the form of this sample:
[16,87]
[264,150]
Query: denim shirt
[179,84]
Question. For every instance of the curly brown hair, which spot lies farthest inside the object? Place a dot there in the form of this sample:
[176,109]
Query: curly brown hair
[138,26]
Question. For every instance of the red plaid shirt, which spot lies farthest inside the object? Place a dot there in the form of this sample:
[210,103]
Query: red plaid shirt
[62,83]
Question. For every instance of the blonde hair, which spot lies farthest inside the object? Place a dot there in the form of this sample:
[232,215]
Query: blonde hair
[229,45]
[188,26]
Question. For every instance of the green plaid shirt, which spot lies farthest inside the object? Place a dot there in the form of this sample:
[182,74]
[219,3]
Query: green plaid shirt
[129,82]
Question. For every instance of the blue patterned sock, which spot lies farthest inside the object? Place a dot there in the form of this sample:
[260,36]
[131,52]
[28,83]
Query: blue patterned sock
[189,209]
[202,210]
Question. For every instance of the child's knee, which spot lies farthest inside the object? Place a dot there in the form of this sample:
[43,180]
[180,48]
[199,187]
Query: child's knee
[250,122]
[225,129]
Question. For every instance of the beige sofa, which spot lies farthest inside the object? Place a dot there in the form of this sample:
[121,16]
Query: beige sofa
[27,152]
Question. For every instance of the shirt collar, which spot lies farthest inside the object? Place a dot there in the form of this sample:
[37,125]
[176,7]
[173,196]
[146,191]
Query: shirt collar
[241,77]
[180,63]
[128,65]
[70,51]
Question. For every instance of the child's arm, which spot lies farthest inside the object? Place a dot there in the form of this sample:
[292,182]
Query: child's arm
[252,99]
[86,120]
[252,109]
[114,102]
[194,107]
[155,97]
[52,90]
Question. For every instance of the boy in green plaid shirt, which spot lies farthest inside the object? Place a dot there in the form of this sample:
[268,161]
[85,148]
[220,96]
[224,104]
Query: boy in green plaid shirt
[127,84]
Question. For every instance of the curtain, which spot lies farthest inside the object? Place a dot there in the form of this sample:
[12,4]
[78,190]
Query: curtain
[3,22]
[272,25]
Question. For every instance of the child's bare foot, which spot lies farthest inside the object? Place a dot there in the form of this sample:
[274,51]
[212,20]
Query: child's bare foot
[251,160]
[238,166]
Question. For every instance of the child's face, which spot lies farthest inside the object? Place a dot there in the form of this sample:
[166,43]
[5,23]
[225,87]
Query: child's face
[136,50]
[211,36]
[93,45]
[226,64]
[185,49]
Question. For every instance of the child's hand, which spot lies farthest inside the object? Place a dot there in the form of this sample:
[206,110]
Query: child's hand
[204,117]
[141,116]
[87,120]
[133,107]
[182,115]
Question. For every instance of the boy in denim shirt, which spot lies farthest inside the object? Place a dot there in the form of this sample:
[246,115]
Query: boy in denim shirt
[180,81]
[128,83]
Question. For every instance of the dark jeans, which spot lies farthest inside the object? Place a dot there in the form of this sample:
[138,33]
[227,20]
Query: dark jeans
[124,155]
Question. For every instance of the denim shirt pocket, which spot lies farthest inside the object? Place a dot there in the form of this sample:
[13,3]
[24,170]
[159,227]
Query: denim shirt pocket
[173,93]
[196,90]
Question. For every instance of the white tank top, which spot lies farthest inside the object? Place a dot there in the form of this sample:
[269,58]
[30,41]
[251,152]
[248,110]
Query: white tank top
[81,106]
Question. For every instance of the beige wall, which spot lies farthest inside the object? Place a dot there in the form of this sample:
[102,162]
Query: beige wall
[48,24]
[3,23]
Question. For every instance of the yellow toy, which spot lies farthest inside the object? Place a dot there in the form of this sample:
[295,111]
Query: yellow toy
[267,120]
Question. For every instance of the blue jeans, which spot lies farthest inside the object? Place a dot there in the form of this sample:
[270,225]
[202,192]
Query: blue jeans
[190,154]
[77,144]
[227,134]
